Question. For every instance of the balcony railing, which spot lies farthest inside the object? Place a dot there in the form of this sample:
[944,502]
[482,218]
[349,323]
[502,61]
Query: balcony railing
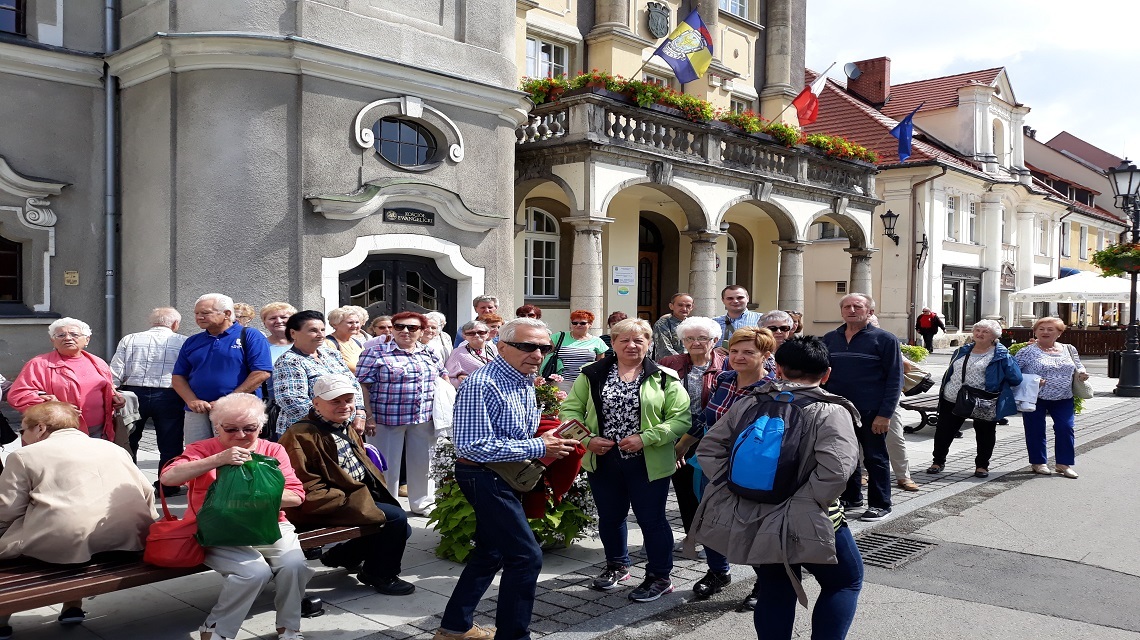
[599,116]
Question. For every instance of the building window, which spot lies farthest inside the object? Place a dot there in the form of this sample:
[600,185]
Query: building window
[735,7]
[11,274]
[545,59]
[649,78]
[1100,239]
[12,17]
[1084,240]
[541,255]
[404,143]
[824,230]
[1065,240]
[972,223]
[730,260]
[841,286]
[1042,239]
[1004,226]
[740,106]
[952,218]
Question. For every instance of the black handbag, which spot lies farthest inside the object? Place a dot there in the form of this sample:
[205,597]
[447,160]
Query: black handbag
[973,402]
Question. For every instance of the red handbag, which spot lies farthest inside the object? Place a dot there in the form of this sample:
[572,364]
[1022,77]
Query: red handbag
[171,542]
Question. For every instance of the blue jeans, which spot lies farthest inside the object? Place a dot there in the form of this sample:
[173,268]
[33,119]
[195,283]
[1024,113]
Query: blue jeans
[503,540]
[619,484]
[878,463]
[1063,413]
[164,408]
[834,610]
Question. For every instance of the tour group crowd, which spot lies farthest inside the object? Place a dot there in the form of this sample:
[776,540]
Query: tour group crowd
[345,404]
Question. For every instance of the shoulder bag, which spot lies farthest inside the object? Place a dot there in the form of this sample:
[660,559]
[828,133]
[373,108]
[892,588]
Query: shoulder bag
[1081,388]
[916,381]
[522,475]
[553,364]
[973,402]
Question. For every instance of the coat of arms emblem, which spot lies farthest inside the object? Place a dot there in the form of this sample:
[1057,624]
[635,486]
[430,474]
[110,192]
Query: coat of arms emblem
[658,19]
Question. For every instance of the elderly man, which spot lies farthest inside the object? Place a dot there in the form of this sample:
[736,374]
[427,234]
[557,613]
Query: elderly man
[344,488]
[225,358]
[143,364]
[496,416]
[737,315]
[484,306]
[866,368]
[666,342]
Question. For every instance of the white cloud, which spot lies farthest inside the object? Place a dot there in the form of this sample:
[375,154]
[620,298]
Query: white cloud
[1072,65]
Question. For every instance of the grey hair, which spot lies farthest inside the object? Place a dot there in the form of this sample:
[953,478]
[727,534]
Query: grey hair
[492,299]
[474,326]
[164,317]
[84,328]
[221,301]
[507,331]
[993,325]
[244,405]
[439,318]
[697,323]
[777,316]
[866,298]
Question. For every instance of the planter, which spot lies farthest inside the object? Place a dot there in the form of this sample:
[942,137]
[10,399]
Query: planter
[1128,264]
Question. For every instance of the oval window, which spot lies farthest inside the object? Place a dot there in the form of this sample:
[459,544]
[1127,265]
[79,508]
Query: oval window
[404,143]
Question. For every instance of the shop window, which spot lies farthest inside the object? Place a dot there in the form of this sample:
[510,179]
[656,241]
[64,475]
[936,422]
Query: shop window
[541,254]
[11,272]
[13,14]
[545,59]
[971,304]
[404,143]
[951,291]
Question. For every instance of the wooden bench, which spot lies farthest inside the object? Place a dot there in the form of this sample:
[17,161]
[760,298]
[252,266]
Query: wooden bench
[927,408]
[28,584]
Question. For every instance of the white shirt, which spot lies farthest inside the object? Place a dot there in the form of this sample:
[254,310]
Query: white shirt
[146,358]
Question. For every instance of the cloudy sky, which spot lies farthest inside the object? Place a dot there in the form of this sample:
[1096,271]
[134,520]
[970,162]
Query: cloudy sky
[1074,64]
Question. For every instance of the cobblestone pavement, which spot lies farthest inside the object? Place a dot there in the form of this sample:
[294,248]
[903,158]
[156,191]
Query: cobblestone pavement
[566,608]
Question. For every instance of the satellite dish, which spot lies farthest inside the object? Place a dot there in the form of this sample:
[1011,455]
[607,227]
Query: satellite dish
[852,71]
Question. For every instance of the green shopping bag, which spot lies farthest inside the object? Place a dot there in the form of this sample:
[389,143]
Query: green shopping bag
[243,505]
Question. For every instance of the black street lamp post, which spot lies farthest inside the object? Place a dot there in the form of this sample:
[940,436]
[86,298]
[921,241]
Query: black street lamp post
[1125,181]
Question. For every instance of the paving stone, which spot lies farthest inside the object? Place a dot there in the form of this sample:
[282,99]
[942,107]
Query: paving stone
[546,609]
[562,599]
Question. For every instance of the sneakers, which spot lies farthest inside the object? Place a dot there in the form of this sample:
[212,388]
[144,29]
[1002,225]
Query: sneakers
[72,615]
[712,584]
[474,633]
[851,504]
[651,589]
[393,586]
[289,634]
[874,514]
[207,633]
[614,574]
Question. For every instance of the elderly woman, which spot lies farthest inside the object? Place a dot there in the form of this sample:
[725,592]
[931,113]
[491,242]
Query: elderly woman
[237,420]
[528,311]
[782,326]
[1056,363]
[244,313]
[70,374]
[698,368]
[308,359]
[274,316]
[748,349]
[345,337]
[435,338]
[635,411]
[399,379]
[65,497]
[983,364]
[380,326]
[344,488]
[475,351]
[576,348]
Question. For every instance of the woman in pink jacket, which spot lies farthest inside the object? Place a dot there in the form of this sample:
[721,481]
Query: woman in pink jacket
[69,374]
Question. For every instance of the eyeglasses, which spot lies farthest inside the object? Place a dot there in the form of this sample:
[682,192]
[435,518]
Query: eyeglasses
[698,339]
[249,428]
[62,336]
[475,333]
[406,327]
[579,323]
[780,329]
[530,347]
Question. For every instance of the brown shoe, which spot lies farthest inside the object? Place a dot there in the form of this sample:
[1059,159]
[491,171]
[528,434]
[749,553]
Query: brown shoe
[403,491]
[908,485]
[474,633]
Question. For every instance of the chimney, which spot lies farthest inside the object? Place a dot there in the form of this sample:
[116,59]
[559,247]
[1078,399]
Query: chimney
[874,86]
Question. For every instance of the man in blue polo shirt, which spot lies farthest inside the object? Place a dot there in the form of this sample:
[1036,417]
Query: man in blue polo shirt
[225,358]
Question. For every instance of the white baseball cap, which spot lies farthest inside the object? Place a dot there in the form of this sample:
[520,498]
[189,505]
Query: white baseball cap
[333,386]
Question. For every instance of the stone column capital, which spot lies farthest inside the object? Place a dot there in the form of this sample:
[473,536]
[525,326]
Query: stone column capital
[703,235]
[861,254]
[587,223]
[791,245]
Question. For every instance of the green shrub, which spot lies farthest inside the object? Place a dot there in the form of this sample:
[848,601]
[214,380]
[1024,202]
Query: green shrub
[914,352]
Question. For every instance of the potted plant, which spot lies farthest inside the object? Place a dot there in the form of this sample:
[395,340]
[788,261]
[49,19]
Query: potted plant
[1118,259]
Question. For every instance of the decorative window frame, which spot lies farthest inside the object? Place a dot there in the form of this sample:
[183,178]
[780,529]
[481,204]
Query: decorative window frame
[530,236]
[411,108]
[33,226]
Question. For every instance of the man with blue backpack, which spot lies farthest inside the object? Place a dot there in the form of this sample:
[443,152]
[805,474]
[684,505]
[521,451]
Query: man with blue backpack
[778,461]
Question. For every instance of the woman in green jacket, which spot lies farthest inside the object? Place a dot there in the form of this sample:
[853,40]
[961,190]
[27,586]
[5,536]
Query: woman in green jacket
[635,410]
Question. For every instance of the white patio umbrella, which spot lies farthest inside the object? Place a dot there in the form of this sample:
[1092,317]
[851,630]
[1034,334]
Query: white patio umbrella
[1084,286]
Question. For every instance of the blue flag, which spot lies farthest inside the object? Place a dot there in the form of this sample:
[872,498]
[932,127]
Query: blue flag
[904,131]
[688,50]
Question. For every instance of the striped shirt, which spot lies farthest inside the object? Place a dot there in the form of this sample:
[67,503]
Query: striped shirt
[293,376]
[403,383]
[496,416]
[146,358]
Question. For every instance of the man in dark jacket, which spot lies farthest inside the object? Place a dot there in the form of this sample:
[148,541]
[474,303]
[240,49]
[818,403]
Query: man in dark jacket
[927,326]
[344,488]
[866,368]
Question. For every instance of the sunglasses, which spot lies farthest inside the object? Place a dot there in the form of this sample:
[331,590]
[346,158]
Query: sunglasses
[406,327]
[530,347]
[578,323]
[246,429]
[781,329]
[475,333]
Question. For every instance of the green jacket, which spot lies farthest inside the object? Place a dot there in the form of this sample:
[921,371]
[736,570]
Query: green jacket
[664,412]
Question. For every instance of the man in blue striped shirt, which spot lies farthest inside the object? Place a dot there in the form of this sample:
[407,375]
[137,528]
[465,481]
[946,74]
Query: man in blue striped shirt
[736,313]
[496,416]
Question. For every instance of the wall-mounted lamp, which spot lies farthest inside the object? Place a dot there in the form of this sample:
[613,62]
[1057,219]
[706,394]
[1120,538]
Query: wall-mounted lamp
[923,247]
[889,219]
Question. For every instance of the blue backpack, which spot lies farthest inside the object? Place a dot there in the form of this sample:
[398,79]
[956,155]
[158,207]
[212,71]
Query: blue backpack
[764,462]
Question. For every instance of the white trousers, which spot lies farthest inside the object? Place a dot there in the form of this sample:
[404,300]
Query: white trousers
[896,448]
[246,571]
[416,440]
[195,427]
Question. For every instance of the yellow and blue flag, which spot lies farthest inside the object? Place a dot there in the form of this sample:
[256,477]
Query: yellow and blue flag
[688,50]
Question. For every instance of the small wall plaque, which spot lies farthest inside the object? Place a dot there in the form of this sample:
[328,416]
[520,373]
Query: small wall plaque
[410,216]
[71,278]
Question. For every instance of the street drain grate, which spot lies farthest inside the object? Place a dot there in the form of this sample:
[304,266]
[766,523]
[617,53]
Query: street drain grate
[890,552]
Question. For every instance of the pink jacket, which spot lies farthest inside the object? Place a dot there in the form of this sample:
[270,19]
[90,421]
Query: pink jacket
[49,374]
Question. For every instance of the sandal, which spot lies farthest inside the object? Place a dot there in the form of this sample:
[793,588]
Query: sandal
[936,468]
